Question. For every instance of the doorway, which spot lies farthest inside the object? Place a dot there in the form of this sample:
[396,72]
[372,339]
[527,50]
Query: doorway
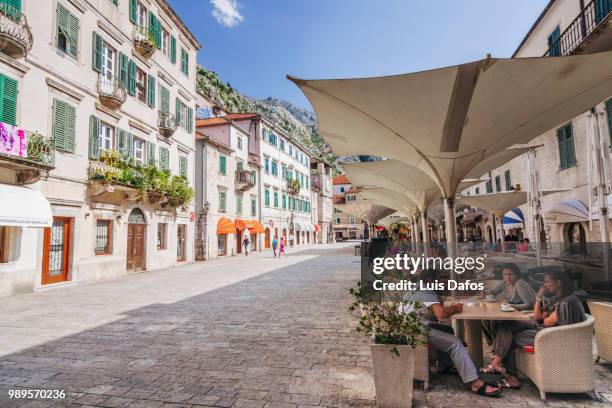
[181,235]
[136,241]
[267,238]
[56,251]
[238,241]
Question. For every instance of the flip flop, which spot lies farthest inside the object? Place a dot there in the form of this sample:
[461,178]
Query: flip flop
[505,384]
[483,391]
[491,370]
[491,379]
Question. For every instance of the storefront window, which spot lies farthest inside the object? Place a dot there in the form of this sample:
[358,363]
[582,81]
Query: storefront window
[161,235]
[222,244]
[103,237]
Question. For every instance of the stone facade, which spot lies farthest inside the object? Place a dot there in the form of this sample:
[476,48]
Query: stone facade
[91,96]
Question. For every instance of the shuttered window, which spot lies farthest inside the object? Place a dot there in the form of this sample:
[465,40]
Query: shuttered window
[125,143]
[164,158]
[253,206]
[222,165]
[155,29]
[567,152]
[183,166]
[172,49]
[151,91]
[554,43]
[123,68]
[189,119]
[133,11]
[97,50]
[67,32]
[222,203]
[164,99]
[497,184]
[489,186]
[508,180]
[8,97]
[64,119]
[94,137]
[609,112]
[238,203]
[184,62]
[11,8]
[151,153]
[132,78]
[267,197]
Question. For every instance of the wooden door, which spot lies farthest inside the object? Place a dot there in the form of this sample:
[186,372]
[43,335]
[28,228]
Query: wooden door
[56,251]
[267,238]
[136,247]
[238,241]
[253,241]
[180,242]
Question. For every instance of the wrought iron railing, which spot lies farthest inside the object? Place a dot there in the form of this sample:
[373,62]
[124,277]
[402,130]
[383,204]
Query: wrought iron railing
[596,12]
[14,24]
[111,87]
[166,121]
[246,177]
[26,147]
[143,34]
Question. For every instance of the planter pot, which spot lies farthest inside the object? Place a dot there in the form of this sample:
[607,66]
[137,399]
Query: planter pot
[393,375]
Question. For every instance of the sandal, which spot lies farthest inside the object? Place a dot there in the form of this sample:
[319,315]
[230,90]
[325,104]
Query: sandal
[491,370]
[505,384]
[483,391]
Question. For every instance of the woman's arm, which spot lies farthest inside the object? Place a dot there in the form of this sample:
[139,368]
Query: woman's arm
[526,294]
[497,289]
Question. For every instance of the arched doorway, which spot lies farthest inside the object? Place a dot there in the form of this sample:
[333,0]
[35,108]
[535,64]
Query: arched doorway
[136,241]
[490,233]
[238,241]
[478,232]
[267,238]
[576,237]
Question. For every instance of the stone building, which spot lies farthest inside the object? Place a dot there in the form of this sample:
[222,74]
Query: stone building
[563,160]
[95,91]
[345,226]
[322,201]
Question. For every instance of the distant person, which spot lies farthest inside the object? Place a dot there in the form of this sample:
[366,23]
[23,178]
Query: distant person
[510,237]
[245,244]
[281,251]
[291,240]
[524,245]
[274,245]
[498,245]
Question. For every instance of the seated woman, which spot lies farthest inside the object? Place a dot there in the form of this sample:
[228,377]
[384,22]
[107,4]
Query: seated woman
[523,247]
[567,310]
[442,337]
[512,289]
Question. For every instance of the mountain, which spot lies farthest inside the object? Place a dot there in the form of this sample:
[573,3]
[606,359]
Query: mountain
[296,121]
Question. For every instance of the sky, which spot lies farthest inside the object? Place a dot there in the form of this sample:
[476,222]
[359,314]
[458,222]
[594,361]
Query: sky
[254,44]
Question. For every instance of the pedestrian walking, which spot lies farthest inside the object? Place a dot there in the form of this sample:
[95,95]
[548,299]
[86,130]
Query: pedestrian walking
[291,240]
[245,244]
[274,245]
[281,251]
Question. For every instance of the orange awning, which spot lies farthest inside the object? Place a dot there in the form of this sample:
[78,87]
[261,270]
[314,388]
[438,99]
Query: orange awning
[241,224]
[258,227]
[317,227]
[225,226]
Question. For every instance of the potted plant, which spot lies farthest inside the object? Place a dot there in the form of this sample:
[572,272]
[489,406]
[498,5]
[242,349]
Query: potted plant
[396,331]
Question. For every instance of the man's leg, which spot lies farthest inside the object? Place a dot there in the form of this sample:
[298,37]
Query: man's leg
[502,343]
[451,344]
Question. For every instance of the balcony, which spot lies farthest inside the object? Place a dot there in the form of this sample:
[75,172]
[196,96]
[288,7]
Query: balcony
[111,92]
[588,33]
[144,42]
[166,122]
[245,180]
[29,155]
[15,35]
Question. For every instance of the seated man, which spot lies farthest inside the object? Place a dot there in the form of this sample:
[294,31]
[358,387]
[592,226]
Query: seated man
[441,337]
[567,310]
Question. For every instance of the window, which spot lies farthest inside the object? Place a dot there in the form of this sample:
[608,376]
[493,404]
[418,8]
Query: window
[352,220]
[239,143]
[139,150]
[4,244]
[282,144]
[284,201]
[477,191]
[222,244]
[306,185]
[106,137]
[290,150]
[272,138]
[337,220]
[350,198]
[489,186]
[342,189]
[183,166]
[497,184]
[141,12]
[267,197]
[164,158]
[67,31]
[274,168]
[165,42]
[567,152]
[222,203]
[8,96]
[184,62]
[283,172]
[107,68]
[141,85]
[508,180]
[267,164]
[275,198]
[64,119]
[554,43]
[222,164]
[253,206]
[103,237]
[162,233]
[238,203]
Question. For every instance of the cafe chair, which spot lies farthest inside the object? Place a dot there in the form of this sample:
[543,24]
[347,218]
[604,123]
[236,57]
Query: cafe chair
[602,312]
[561,360]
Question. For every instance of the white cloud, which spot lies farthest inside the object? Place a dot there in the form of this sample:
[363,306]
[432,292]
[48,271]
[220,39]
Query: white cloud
[226,12]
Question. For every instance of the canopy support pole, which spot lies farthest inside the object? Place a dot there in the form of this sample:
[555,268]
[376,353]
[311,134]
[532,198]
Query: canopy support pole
[451,229]
[602,195]
[535,203]
[424,229]
[500,225]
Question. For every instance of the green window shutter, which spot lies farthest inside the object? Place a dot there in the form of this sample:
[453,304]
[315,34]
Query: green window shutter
[97,52]
[562,151]
[276,199]
[151,153]
[253,207]
[609,112]
[132,78]
[239,203]
[172,49]
[123,68]
[222,165]
[183,166]
[164,99]
[8,96]
[190,119]
[267,198]
[178,112]
[68,25]
[151,91]
[116,2]
[122,142]
[130,144]
[94,137]
[11,8]
[284,201]
[164,158]
[222,200]
[133,11]
[569,146]
[184,62]
[155,29]
[64,119]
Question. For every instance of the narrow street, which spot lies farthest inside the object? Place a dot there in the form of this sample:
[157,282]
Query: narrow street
[243,332]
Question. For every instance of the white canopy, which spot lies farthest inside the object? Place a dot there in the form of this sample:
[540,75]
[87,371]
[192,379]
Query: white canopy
[571,210]
[499,203]
[389,198]
[367,210]
[24,207]
[449,122]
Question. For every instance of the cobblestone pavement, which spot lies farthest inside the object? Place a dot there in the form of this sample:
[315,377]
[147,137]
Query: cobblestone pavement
[240,332]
